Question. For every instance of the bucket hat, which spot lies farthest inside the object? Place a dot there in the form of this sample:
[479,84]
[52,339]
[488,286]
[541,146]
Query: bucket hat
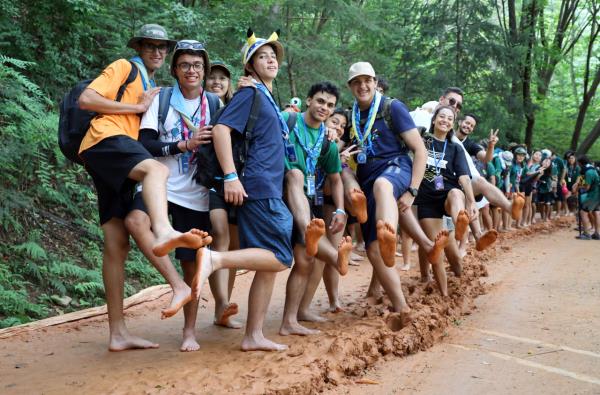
[151,31]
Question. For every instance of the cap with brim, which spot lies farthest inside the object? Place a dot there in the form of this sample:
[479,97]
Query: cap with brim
[151,31]
[507,156]
[521,150]
[361,68]
[217,64]
[253,43]
[197,47]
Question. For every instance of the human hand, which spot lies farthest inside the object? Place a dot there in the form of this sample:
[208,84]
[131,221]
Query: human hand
[405,201]
[245,82]
[234,192]
[347,153]
[146,98]
[472,210]
[493,139]
[338,223]
[202,136]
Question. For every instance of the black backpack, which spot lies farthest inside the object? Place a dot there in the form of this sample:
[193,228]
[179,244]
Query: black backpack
[208,169]
[164,100]
[75,122]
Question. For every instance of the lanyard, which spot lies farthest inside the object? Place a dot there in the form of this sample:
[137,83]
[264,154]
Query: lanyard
[284,128]
[441,158]
[186,123]
[312,153]
[363,137]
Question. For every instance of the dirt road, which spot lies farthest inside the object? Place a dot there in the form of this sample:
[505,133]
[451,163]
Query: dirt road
[536,331]
[543,288]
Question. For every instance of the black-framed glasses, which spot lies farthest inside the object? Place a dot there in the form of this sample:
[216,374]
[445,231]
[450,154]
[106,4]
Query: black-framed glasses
[455,103]
[189,44]
[185,66]
[149,47]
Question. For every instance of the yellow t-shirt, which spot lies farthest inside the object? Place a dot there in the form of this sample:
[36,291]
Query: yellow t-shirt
[106,125]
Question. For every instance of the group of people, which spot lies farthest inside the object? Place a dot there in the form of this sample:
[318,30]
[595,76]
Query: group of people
[293,200]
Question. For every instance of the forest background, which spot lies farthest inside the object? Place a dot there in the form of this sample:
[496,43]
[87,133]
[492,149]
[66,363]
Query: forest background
[530,68]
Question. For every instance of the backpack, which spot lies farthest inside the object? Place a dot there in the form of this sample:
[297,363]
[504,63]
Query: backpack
[208,169]
[164,100]
[75,122]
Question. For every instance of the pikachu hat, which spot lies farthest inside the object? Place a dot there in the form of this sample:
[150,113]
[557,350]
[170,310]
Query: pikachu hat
[253,44]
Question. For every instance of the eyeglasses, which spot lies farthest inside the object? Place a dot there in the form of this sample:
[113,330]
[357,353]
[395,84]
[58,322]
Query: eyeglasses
[149,47]
[454,103]
[185,67]
[189,44]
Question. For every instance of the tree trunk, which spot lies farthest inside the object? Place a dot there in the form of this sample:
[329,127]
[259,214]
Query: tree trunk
[583,107]
[590,139]
[528,31]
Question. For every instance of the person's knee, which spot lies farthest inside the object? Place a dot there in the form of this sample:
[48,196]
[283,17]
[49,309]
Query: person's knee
[455,195]
[381,185]
[137,220]
[154,168]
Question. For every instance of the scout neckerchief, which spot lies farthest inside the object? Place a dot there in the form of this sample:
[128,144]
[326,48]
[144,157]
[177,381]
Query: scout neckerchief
[143,72]
[312,153]
[438,180]
[363,137]
[284,128]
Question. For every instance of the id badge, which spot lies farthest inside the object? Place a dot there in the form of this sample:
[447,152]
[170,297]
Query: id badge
[290,152]
[438,181]
[361,158]
[310,185]
[319,200]
[184,163]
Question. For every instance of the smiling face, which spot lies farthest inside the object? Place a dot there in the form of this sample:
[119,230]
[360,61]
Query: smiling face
[338,123]
[537,156]
[320,106]
[217,82]
[467,125]
[189,71]
[443,121]
[452,99]
[264,63]
[153,53]
[363,89]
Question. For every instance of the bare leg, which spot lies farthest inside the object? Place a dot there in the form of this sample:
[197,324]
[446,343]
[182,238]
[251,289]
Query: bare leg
[486,217]
[304,312]
[137,223]
[432,226]
[406,247]
[190,312]
[116,247]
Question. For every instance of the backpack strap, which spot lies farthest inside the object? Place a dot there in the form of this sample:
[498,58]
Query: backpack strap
[130,78]
[253,117]
[324,148]
[164,100]
[213,103]
[291,121]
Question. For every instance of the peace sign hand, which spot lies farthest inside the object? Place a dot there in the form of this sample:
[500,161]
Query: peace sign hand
[347,153]
[493,139]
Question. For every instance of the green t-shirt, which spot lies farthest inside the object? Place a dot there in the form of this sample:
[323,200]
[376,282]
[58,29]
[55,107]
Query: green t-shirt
[592,197]
[517,171]
[559,166]
[329,163]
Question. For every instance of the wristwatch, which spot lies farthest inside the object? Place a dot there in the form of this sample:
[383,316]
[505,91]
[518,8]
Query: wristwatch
[413,191]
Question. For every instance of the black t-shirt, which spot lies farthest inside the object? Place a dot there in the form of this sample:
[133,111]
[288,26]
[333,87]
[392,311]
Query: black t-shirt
[451,163]
[472,147]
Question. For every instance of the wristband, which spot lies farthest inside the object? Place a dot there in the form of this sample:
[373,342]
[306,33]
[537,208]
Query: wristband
[230,177]
[340,211]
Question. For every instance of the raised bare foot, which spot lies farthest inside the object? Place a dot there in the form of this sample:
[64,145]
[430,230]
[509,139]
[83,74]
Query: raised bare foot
[193,239]
[441,241]
[260,343]
[314,231]
[225,320]
[204,268]
[359,205]
[189,342]
[309,316]
[180,299]
[386,236]
[486,240]
[517,206]
[129,342]
[288,329]
[344,250]
[461,226]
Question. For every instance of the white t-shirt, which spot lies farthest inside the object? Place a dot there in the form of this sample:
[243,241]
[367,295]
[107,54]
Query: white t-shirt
[474,172]
[182,189]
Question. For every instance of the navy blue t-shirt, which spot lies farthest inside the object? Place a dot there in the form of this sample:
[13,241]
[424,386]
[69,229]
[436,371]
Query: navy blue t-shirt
[263,174]
[386,143]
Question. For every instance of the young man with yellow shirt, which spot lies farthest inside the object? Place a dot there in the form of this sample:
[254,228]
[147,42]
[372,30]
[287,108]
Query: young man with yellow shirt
[116,161]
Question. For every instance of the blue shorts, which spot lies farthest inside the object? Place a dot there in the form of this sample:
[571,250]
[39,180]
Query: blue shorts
[266,224]
[399,174]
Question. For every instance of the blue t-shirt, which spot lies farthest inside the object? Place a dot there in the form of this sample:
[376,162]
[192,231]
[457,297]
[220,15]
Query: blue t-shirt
[386,143]
[263,174]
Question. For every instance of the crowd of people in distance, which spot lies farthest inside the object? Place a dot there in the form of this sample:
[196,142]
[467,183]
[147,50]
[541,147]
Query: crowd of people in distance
[309,191]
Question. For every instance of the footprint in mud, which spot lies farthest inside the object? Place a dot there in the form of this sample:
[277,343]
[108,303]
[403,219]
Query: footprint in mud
[397,321]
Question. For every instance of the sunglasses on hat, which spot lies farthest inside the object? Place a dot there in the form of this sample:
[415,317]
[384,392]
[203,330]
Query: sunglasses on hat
[189,44]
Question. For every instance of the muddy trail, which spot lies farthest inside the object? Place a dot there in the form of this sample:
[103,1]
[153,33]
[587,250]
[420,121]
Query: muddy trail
[49,358]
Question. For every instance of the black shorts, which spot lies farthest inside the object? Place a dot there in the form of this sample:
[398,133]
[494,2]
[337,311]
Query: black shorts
[109,163]
[431,205]
[217,201]
[546,197]
[315,212]
[183,219]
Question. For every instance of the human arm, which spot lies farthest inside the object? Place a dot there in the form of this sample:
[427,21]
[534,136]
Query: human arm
[470,204]
[414,142]
[234,190]
[338,222]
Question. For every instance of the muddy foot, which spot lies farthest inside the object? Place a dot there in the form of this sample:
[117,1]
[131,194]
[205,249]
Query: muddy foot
[517,206]
[397,321]
[225,319]
[386,236]
[309,316]
[461,226]
[344,250]
[179,300]
[261,344]
[189,343]
[204,269]
[296,329]
[314,231]
[486,240]
[129,342]
[359,205]
[441,241]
